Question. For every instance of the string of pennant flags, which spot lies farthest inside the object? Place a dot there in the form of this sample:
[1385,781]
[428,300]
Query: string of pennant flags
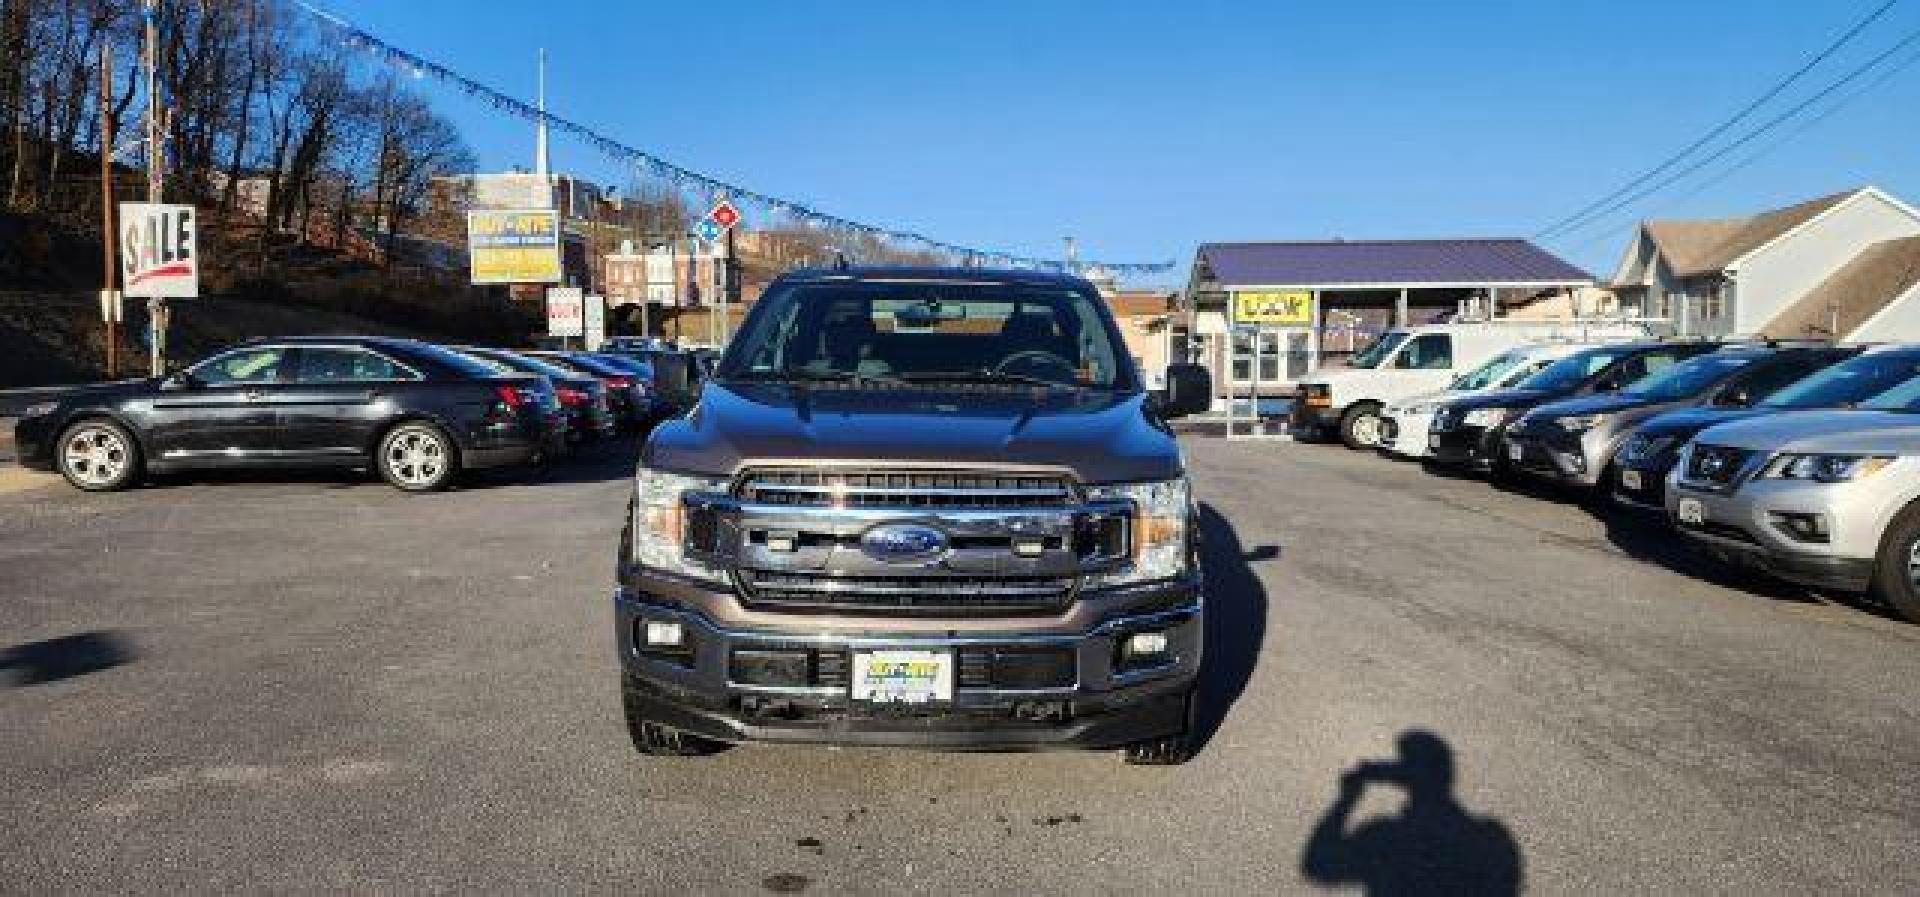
[685,178]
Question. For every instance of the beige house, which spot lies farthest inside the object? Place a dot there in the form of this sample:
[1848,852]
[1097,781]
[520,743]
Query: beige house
[1837,267]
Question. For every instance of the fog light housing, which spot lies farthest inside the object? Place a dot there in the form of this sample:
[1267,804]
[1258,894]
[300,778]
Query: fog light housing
[664,634]
[1802,526]
[1143,650]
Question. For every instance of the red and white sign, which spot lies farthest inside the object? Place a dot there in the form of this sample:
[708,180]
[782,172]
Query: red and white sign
[566,311]
[724,214]
[159,252]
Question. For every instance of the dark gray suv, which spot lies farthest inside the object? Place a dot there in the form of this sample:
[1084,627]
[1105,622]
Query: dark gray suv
[918,507]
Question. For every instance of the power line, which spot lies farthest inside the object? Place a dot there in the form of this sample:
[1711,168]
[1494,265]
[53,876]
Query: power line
[1760,153]
[1750,136]
[1724,126]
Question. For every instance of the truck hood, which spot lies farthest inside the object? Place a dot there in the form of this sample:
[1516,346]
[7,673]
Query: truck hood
[1839,432]
[1100,436]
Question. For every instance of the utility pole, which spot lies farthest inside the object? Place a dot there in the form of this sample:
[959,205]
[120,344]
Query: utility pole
[109,296]
[157,311]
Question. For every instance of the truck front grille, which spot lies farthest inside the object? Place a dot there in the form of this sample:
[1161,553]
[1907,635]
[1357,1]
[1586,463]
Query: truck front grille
[905,594]
[860,488]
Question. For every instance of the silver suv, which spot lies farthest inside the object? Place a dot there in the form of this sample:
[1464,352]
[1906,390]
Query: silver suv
[1826,498]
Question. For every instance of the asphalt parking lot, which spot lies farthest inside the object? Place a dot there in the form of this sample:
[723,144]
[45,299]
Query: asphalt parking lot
[232,682]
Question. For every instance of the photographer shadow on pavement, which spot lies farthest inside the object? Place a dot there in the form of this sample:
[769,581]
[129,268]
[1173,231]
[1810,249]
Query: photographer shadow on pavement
[1434,846]
[1235,621]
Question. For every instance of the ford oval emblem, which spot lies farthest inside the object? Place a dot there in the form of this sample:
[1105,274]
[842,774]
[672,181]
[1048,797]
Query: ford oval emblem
[900,543]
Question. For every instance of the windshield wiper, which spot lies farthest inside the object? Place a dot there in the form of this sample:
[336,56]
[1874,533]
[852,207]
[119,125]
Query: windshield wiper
[802,376]
[983,375]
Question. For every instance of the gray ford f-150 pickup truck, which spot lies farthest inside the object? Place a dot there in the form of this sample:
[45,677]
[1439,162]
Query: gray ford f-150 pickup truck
[918,507]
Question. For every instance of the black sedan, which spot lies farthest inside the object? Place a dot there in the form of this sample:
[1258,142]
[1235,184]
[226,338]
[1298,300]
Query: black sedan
[584,398]
[412,411]
[1652,449]
[1468,432]
[1572,442]
[629,395]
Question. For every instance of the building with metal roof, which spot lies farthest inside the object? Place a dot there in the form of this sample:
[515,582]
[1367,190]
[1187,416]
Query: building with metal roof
[1271,311]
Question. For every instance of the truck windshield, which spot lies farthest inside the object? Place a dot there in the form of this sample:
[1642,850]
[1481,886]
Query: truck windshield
[1574,369]
[1489,372]
[928,332]
[1378,350]
[1855,380]
[1689,378]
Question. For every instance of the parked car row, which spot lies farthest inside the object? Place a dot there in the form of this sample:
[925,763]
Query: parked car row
[417,413]
[1798,460]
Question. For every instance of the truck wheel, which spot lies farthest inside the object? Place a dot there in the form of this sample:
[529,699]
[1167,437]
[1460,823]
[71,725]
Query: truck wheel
[97,455]
[1360,426]
[1896,572]
[656,740]
[417,457]
[1169,750]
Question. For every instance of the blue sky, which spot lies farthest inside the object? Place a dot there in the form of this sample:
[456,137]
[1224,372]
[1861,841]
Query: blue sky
[1144,128]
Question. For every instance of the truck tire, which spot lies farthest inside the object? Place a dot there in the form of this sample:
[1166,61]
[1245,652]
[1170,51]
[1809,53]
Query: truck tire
[1360,426]
[1169,750]
[1896,572]
[656,740]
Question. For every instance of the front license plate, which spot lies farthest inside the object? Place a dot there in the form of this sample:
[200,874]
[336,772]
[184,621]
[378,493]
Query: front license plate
[1691,512]
[902,677]
[1433,440]
[1515,452]
[1630,479]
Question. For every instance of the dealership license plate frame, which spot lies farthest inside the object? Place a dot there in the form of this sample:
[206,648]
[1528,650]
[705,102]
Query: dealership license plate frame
[902,677]
[1632,480]
[1516,452]
[1691,512]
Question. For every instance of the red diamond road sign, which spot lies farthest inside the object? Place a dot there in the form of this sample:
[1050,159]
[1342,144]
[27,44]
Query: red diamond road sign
[724,214]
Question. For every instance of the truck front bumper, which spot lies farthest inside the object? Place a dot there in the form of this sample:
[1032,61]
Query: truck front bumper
[1054,685]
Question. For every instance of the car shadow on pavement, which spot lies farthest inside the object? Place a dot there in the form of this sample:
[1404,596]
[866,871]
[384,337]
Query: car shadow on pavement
[55,659]
[1235,619]
[1432,846]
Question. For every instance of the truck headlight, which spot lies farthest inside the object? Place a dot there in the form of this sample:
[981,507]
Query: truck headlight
[660,522]
[1161,511]
[1486,417]
[1824,468]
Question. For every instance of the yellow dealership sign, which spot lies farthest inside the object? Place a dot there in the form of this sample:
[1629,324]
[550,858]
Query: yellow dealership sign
[514,246]
[1285,307]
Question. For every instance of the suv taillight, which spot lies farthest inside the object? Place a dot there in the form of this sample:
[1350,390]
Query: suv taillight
[571,397]
[511,396]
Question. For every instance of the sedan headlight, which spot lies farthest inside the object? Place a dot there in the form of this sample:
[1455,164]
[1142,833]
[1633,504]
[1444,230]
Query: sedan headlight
[660,522]
[40,409]
[1161,511]
[1486,417]
[1574,423]
[1824,468]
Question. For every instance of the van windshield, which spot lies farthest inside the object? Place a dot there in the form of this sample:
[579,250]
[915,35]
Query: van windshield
[1378,350]
[1489,372]
[930,331]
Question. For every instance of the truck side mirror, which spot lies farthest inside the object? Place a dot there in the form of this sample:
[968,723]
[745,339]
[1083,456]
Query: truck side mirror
[1189,391]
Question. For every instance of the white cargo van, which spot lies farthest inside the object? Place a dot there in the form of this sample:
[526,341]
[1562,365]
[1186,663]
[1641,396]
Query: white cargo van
[1408,361]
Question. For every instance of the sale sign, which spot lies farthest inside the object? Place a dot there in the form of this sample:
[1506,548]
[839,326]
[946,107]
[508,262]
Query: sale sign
[159,254]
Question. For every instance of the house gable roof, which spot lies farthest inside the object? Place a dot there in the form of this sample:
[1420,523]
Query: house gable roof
[1876,277]
[1338,262]
[1693,247]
